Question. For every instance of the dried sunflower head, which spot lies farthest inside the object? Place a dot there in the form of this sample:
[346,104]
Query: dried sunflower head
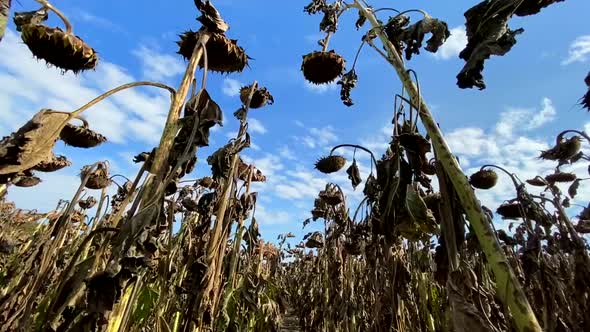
[484,179]
[87,203]
[330,164]
[81,136]
[322,67]
[561,177]
[260,97]
[98,179]
[26,181]
[206,182]
[510,210]
[537,181]
[223,54]
[331,195]
[563,150]
[59,48]
[54,164]
[190,204]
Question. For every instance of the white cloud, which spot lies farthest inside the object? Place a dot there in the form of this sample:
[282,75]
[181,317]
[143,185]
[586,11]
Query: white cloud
[525,119]
[579,50]
[255,126]
[28,85]
[231,87]
[547,114]
[318,137]
[453,45]
[321,88]
[286,153]
[271,217]
[158,66]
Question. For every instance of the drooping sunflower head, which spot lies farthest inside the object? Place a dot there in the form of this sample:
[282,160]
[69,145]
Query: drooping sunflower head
[484,179]
[61,49]
[223,54]
[322,67]
[330,164]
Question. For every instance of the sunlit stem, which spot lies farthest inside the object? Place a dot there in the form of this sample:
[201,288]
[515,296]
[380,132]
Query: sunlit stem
[160,160]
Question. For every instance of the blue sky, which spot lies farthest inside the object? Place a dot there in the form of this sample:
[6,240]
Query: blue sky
[531,94]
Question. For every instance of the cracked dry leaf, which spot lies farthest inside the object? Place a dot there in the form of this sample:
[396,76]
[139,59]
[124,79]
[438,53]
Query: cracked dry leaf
[210,17]
[24,18]
[413,35]
[488,34]
[32,143]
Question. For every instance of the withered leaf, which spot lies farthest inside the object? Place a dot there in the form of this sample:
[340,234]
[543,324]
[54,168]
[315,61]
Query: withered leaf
[417,208]
[203,112]
[24,18]
[360,21]
[210,17]
[32,143]
[413,35]
[347,83]
[354,174]
[488,34]
[465,315]
[572,191]
[585,100]
[315,6]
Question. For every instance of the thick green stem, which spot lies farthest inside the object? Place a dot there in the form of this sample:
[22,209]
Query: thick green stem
[508,288]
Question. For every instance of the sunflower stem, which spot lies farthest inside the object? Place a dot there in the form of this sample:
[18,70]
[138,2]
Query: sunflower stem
[117,89]
[508,287]
[61,15]
[160,161]
[356,147]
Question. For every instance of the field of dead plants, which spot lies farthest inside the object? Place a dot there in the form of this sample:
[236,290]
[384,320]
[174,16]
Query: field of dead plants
[419,253]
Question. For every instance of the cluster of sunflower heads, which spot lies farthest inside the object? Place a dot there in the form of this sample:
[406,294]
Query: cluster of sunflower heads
[61,49]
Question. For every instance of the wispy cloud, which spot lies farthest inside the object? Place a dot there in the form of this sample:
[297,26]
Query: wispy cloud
[321,88]
[132,115]
[84,16]
[579,50]
[318,137]
[453,45]
[255,126]
[157,66]
[231,87]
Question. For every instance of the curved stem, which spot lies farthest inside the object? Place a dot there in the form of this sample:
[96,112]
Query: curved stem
[61,15]
[425,14]
[358,52]
[385,8]
[356,147]
[120,88]
[511,175]
[583,134]
[121,176]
